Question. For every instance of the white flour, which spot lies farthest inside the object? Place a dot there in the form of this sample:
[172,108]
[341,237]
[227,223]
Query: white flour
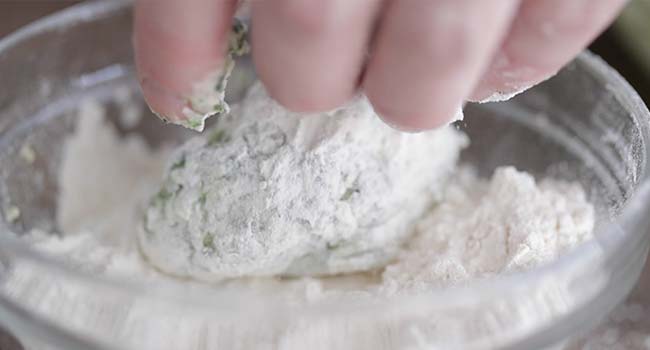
[480,228]
[269,192]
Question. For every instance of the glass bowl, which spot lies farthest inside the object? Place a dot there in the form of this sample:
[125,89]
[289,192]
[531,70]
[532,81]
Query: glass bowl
[585,124]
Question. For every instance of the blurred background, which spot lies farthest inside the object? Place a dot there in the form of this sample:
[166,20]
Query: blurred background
[625,46]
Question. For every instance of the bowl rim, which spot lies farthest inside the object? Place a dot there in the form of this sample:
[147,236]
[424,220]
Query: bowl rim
[233,303]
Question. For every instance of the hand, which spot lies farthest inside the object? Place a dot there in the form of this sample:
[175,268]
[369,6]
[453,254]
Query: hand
[416,60]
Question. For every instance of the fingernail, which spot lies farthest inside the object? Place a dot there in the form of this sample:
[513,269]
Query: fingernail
[418,129]
[400,127]
[166,105]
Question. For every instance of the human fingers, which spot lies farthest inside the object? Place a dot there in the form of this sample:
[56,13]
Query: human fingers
[178,43]
[545,35]
[309,53]
[428,56]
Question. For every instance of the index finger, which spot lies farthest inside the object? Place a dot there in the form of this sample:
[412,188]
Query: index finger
[178,43]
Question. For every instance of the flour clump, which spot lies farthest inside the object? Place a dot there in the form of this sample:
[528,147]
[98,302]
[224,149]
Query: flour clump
[271,192]
[484,228]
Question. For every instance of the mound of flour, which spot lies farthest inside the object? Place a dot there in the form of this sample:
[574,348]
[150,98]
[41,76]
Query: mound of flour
[483,228]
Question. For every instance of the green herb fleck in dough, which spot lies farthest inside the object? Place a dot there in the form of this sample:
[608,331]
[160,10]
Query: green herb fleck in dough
[27,153]
[203,197]
[180,164]
[219,108]
[12,214]
[162,197]
[348,193]
[164,194]
[238,45]
[332,246]
[223,79]
[208,242]
[193,123]
[218,137]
